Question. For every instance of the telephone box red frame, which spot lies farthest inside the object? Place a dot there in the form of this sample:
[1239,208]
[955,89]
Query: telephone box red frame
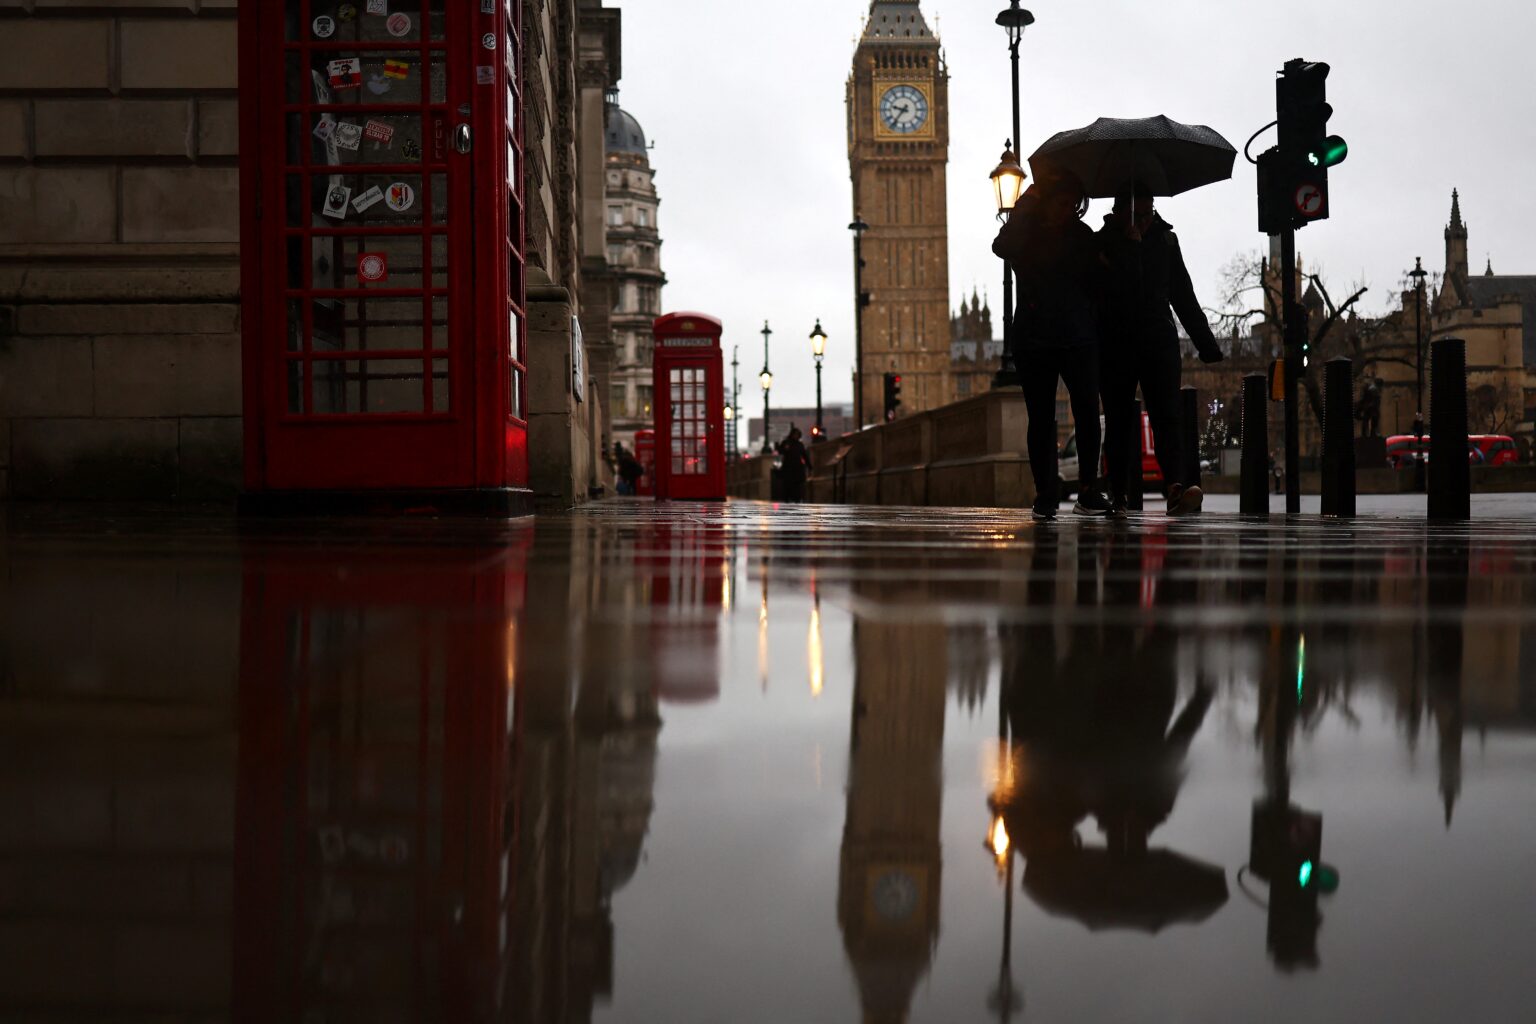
[330,414]
[645,454]
[688,376]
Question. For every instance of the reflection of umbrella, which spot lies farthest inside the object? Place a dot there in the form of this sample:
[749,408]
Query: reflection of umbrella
[1146,892]
[1164,155]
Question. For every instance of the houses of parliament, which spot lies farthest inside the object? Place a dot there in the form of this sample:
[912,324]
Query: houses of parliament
[898,155]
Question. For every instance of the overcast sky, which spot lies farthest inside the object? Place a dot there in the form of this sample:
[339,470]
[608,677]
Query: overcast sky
[744,103]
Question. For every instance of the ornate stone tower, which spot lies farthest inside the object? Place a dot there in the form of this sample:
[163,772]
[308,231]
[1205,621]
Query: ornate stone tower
[898,149]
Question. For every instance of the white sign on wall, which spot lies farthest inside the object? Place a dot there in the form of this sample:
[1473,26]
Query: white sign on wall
[578,365]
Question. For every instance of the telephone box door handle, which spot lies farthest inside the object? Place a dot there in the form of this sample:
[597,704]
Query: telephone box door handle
[462,139]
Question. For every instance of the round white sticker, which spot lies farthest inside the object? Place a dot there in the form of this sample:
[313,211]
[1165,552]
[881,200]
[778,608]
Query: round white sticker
[488,40]
[324,26]
[372,267]
[399,24]
[399,197]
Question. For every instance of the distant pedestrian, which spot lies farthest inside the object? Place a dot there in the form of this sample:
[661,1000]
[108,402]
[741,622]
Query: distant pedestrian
[630,470]
[1055,331]
[1140,344]
[796,465]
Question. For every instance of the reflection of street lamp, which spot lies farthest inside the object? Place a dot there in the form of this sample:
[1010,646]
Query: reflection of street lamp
[1418,274]
[1014,21]
[818,349]
[1005,1000]
[766,380]
[860,300]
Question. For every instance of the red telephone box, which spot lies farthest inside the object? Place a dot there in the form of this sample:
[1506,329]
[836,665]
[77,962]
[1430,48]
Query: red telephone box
[689,379]
[645,454]
[382,271]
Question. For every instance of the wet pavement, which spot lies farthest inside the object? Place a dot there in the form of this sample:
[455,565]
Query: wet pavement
[738,763]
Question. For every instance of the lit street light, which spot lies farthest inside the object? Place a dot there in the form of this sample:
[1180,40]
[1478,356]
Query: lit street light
[1014,21]
[818,349]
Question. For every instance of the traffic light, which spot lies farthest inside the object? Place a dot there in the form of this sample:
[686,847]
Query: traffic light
[892,395]
[1285,850]
[1293,177]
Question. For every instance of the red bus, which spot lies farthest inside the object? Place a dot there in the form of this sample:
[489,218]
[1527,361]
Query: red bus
[1404,450]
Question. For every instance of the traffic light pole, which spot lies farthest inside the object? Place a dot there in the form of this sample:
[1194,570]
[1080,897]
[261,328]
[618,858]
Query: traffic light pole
[1295,339]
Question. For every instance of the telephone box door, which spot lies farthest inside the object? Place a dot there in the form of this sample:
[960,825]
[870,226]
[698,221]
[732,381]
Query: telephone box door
[692,403]
[372,146]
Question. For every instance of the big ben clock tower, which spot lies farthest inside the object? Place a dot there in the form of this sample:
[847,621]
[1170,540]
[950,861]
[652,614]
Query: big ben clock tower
[898,149]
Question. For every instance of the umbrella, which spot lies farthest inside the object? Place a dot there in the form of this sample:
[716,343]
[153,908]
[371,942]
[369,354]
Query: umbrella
[1111,153]
[1146,892]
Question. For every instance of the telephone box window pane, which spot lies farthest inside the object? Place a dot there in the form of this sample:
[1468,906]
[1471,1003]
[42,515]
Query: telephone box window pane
[440,202]
[367,325]
[296,262]
[440,388]
[440,336]
[356,200]
[294,374]
[336,260]
[372,28]
[340,77]
[515,396]
[352,386]
[439,261]
[295,325]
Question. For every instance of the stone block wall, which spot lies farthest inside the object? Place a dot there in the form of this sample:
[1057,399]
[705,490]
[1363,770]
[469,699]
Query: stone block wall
[119,234]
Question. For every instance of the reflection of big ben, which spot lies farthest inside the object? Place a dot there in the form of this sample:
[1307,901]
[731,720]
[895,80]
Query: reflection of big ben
[898,149]
[888,884]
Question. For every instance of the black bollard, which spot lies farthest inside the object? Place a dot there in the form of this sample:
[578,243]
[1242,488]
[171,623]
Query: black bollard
[1134,483]
[1338,438]
[1450,475]
[1254,485]
[1189,434]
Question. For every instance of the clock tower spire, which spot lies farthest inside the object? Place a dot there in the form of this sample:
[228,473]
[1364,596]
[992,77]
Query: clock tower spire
[898,153]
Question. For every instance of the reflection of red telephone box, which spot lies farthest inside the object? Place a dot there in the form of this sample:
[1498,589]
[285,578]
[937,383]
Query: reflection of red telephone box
[645,454]
[689,378]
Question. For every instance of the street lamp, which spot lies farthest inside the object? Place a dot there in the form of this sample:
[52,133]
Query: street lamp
[1007,181]
[766,380]
[860,300]
[1418,274]
[735,403]
[818,349]
[1014,21]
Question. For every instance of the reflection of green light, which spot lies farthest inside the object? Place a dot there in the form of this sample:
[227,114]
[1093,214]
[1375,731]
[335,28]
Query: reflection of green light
[1301,668]
[1305,874]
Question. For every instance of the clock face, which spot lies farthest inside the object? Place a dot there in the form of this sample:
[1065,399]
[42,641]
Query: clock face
[904,109]
[895,895]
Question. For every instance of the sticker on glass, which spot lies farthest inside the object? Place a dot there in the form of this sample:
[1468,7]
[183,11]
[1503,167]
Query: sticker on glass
[324,26]
[379,83]
[397,69]
[364,200]
[378,7]
[325,128]
[336,200]
[372,267]
[346,12]
[346,73]
[410,149]
[487,6]
[399,197]
[349,135]
[322,94]
[485,74]
[379,132]
[488,40]
[399,24]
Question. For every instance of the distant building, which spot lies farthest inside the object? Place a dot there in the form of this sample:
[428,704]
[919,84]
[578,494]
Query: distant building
[974,354]
[838,419]
[634,262]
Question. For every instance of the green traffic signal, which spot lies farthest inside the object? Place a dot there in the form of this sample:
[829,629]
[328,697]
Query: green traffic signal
[1305,874]
[1332,152]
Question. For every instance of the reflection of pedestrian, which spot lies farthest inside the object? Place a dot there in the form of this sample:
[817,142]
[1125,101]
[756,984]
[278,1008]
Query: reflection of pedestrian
[1055,330]
[1141,344]
[797,463]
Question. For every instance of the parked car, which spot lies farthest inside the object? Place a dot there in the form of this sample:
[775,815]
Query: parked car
[1068,474]
[1405,450]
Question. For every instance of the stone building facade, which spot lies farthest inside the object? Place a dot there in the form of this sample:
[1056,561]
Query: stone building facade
[120,349]
[119,250]
[898,155]
[634,268]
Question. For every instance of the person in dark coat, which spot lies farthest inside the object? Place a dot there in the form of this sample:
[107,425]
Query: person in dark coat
[797,464]
[630,470]
[1140,344]
[1056,330]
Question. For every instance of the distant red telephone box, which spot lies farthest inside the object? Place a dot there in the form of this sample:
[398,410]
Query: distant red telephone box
[689,379]
[645,454]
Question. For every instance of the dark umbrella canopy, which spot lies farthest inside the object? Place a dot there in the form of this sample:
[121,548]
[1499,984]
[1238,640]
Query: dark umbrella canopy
[1165,155]
[1147,892]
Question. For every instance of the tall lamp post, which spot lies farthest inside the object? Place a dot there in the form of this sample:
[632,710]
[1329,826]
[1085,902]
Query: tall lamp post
[860,300]
[766,380]
[735,403]
[1014,21]
[1418,274]
[818,349]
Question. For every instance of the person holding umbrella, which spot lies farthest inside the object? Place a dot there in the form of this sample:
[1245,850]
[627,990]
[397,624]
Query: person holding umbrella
[1134,161]
[1141,344]
[1056,262]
